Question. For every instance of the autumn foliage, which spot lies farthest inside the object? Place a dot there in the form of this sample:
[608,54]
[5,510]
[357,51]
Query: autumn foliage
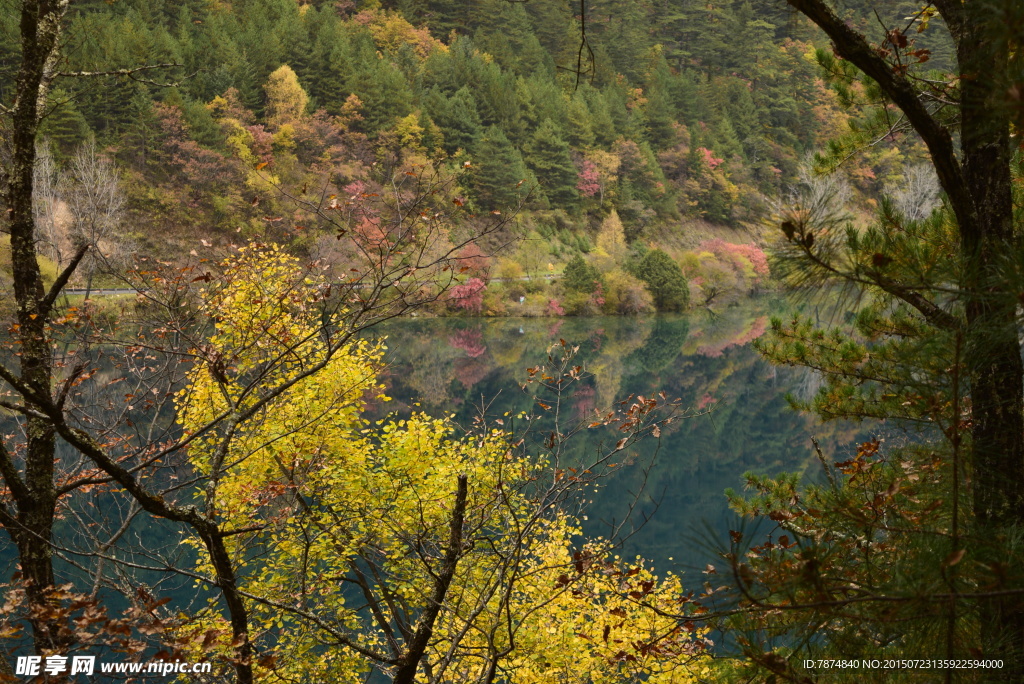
[328,498]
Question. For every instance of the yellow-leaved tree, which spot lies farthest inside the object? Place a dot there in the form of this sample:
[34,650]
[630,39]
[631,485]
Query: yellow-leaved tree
[404,546]
[286,100]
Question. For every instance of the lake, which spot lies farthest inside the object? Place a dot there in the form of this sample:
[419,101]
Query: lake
[706,360]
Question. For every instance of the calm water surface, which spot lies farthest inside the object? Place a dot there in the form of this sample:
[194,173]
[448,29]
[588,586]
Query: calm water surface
[457,365]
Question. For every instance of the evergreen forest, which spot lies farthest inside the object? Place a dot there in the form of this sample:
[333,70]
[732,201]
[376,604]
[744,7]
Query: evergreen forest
[678,114]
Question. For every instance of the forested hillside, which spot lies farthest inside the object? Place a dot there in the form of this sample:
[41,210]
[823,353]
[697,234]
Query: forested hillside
[672,111]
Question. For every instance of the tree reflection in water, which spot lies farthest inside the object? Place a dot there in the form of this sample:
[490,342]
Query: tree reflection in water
[459,364]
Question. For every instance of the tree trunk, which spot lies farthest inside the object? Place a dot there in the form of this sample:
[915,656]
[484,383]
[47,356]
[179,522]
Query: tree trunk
[417,646]
[31,534]
[994,353]
[40,31]
[227,582]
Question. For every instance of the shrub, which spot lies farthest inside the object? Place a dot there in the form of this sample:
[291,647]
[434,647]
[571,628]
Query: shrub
[508,272]
[690,263]
[474,262]
[554,308]
[626,294]
[724,270]
[508,269]
[577,304]
[494,302]
[535,285]
[514,290]
[583,303]
[469,296]
[717,281]
[535,305]
[748,259]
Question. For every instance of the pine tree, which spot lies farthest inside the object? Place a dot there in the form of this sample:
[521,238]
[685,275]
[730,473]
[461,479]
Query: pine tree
[602,123]
[659,111]
[937,343]
[384,92]
[625,35]
[548,157]
[63,125]
[494,92]
[320,81]
[201,126]
[553,25]
[744,113]
[509,39]
[440,70]
[433,138]
[256,24]
[138,140]
[456,117]
[9,54]
[704,33]
[340,59]
[299,54]
[616,101]
[498,171]
[447,16]
[119,42]
[248,85]
[686,97]
[579,130]
[727,143]
[548,102]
